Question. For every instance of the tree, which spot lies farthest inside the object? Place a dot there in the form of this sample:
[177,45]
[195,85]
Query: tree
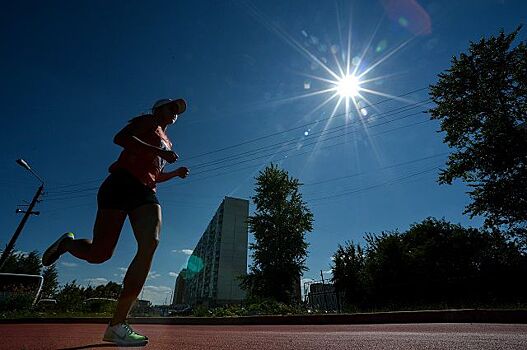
[481,102]
[347,271]
[71,297]
[432,263]
[23,263]
[279,225]
[51,284]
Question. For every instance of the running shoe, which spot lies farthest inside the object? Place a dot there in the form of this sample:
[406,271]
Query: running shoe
[123,334]
[52,254]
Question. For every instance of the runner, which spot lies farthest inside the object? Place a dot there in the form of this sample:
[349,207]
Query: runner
[129,190]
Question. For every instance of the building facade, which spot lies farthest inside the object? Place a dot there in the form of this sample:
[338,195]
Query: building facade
[322,296]
[212,275]
[179,288]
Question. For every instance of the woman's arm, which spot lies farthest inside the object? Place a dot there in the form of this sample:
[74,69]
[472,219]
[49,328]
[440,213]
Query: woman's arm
[127,138]
[181,172]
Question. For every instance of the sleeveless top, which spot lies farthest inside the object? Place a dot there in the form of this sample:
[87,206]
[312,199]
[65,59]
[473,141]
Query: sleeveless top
[145,166]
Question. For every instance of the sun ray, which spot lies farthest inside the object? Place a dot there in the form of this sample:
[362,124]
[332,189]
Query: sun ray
[380,77]
[316,146]
[326,80]
[391,53]
[322,104]
[348,53]
[298,97]
[370,104]
[338,64]
[347,77]
[288,39]
[387,95]
[339,29]
[365,50]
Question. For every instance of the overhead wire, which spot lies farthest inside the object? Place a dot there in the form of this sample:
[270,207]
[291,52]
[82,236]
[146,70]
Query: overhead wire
[260,149]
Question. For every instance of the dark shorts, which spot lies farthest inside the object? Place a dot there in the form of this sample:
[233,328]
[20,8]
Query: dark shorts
[121,190]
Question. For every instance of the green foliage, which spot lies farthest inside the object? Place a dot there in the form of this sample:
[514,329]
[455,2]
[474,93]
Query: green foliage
[201,311]
[253,308]
[51,284]
[434,262]
[273,307]
[279,226]
[72,297]
[108,290]
[481,102]
[23,263]
[348,266]
[16,298]
[19,297]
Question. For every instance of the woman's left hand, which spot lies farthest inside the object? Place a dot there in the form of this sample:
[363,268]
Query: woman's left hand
[182,172]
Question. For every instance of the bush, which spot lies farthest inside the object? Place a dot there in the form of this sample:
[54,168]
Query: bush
[16,298]
[201,311]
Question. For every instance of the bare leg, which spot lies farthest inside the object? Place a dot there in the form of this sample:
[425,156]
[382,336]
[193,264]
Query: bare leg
[146,224]
[106,231]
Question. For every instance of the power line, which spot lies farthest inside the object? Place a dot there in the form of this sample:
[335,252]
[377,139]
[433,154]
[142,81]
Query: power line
[272,146]
[359,190]
[250,141]
[309,144]
[379,169]
[64,195]
[313,135]
[297,127]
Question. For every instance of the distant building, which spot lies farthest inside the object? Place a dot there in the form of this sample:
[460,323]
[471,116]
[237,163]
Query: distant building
[322,296]
[219,259]
[179,288]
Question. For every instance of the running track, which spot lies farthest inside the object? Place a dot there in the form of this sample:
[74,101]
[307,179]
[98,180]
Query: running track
[316,337]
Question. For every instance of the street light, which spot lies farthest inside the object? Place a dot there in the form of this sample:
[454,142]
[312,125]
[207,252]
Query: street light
[18,211]
[24,164]
[28,212]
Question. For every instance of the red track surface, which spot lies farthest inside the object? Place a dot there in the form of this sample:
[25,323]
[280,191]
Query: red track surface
[356,337]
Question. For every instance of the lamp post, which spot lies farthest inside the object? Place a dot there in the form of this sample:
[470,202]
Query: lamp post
[28,212]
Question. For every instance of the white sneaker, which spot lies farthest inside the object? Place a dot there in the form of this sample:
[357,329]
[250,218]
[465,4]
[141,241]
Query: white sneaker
[123,334]
[52,253]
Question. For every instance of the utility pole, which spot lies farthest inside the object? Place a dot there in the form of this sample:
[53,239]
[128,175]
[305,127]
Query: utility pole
[28,212]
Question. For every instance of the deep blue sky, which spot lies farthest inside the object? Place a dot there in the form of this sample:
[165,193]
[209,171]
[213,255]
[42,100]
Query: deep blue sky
[73,73]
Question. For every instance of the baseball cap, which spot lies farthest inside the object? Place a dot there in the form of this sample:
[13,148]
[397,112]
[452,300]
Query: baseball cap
[179,104]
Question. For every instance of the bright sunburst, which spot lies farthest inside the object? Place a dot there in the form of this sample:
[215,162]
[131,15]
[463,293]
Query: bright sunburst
[345,73]
[348,86]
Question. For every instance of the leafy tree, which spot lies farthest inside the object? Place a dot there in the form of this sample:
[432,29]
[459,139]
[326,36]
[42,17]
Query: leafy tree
[23,263]
[433,263]
[279,225]
[71,297]
[51,284]
[347,271]
[481,101]
[109,290]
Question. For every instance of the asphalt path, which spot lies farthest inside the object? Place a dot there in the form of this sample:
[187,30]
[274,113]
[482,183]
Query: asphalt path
[316,337]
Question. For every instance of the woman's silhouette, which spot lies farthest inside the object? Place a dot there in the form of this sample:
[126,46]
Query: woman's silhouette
[129,190]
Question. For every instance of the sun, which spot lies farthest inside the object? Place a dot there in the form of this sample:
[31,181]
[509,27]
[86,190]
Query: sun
[348,86]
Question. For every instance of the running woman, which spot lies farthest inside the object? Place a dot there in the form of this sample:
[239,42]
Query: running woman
[129,190]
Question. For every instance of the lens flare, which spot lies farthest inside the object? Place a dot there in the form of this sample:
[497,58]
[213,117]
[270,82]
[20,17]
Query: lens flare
[194,265]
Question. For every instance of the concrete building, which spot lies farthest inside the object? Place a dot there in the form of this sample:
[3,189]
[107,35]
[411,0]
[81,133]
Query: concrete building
[322,296]
[219,259]
[179,288]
